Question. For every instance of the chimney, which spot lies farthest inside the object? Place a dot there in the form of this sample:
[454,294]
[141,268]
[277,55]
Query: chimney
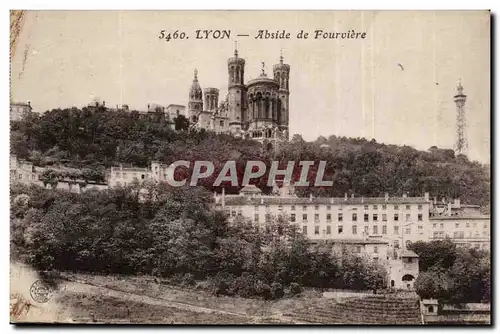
[331,200]
[362,199]
[345,196]
[435,200]
[444,200]
[310,197]
[457,202]
[405,195]
[426,196]
[352,195]
[387,197]
[449,208]
[261,201]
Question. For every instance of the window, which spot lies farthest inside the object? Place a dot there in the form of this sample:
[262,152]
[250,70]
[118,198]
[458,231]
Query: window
[407,207]
[375,207]
[268,217]
[457,225]
[420,228]
[354,217]
[485,225]
[292,208]
[407,217]
[375,217]
[354,209]
[375,249]
[328,207]
[408,230]
[256,217]
[419,217]
[316,207]
[304,217]
[292,217]
[221,123]
[396,207]
[384,217]
[366,229]
[375,229]
[384,207]
[328,230]
[267,207]
[233,213]
[340,208]
[435,235]
[420,207]
[396,244]
[304,207]
[366,217]
[142,176]
[316,230]
[340,229]
[384,229]
[316,217]
[358,249]
[340,218]
[328,217]
[474,225]
[20,176]
[304,230]
[256,208]
[280,207]
[366,207]
[467,225]
[354,229]
[441,225]
[434,225]
[396,217]
[396,229]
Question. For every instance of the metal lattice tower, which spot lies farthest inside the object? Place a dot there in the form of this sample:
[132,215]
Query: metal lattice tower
[461,140]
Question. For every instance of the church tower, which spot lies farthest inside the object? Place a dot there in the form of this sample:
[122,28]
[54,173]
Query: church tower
[195,104]
[236,91]
[281,73]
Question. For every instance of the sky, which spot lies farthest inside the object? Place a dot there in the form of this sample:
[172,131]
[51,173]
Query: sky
[350,87]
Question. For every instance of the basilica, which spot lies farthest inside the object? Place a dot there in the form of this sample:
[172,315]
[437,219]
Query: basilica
[257,109]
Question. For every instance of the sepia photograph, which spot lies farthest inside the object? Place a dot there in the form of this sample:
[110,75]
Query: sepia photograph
[231,167]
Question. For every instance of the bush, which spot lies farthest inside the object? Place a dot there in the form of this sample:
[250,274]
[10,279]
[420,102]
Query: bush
[188,280]
[295,288]
[244,285]
[277,290]
[263,290]
[221,284]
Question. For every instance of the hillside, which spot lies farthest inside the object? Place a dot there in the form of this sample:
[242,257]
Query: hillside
[98,137]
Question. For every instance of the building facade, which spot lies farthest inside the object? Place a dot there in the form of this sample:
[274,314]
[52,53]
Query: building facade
[125,176]
[398,221]
[18,109]
[258,109]
[465,225]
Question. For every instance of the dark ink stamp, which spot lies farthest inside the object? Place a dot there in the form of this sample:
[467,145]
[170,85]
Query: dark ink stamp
[41,292]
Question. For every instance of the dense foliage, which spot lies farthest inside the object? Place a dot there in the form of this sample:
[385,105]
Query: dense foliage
[173,232]
[97,136]
[451,274]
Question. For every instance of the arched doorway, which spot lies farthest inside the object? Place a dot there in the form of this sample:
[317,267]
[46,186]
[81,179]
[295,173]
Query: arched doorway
[408,280]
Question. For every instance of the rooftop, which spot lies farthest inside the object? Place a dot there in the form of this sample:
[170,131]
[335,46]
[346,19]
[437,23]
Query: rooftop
[275,200]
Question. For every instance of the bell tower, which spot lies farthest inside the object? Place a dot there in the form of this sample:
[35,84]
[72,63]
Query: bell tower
[195,104]
[236,91]
[281,73]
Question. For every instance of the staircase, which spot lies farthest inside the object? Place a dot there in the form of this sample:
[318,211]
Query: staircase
[375,309]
